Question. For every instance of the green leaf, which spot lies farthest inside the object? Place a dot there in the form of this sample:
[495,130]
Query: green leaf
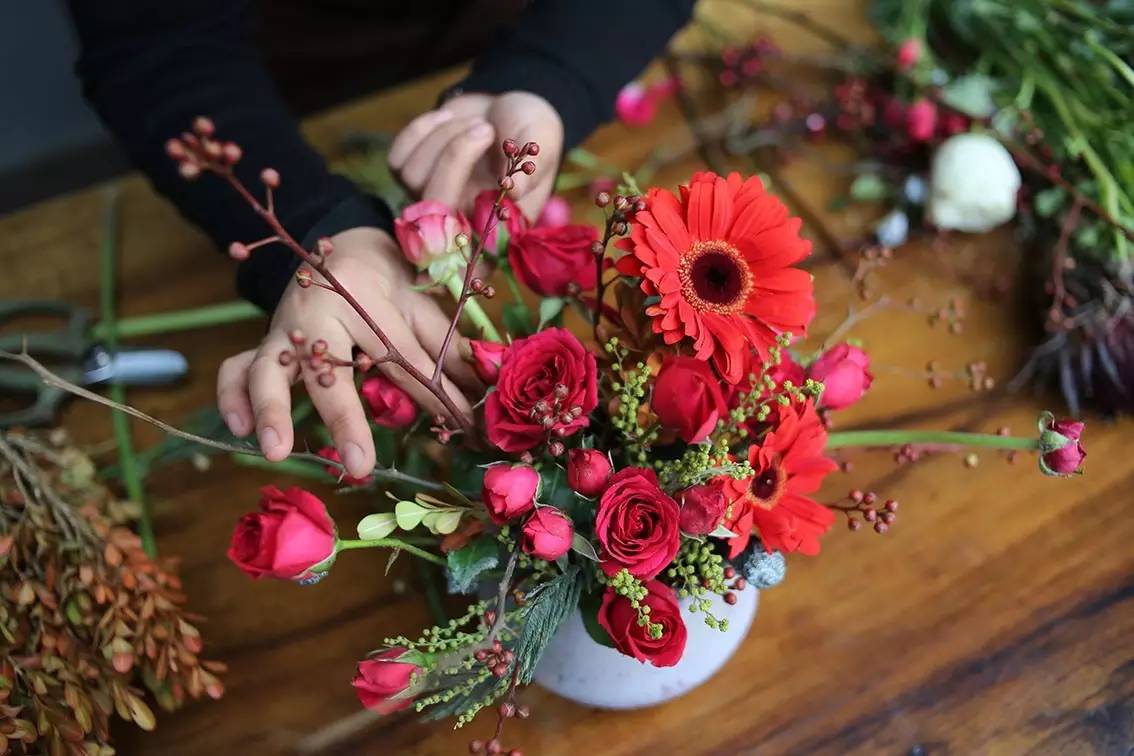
[549,310]
[971,95]
[868,187]
[517,319]
[583,547]
[1048,202]
[385,445]
[546,608]
[589,605]
[467,564]
[443,522]
[378,525]
[722,532]
[409,514]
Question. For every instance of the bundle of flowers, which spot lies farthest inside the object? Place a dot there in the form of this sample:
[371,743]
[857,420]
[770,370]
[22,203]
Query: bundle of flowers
[973,115]
[670,456]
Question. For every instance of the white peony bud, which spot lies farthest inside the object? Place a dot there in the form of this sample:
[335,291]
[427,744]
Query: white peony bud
[974,184]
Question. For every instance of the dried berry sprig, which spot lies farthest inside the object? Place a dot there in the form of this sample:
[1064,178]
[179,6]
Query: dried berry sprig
[861,507]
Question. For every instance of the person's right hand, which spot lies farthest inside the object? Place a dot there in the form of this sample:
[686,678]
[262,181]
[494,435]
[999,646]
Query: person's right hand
[254,389]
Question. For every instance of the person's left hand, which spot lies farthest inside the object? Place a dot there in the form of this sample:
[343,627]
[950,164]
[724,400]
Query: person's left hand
[453,153]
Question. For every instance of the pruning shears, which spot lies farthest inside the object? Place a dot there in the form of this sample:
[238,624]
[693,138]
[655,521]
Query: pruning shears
[75,355]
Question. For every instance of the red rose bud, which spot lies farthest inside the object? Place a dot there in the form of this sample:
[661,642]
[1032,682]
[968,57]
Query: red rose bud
[921,121]
[688,398]
[509,491]
[637,524]
[547,534]
[908,54]
[549,259]
[1061,451]
[429,229]
[486,357]
[548,386]
[383,681]
[620,620]
[290,535]
[844,371]
[332,454]
[390,406]
[702,508]
[588,471]
[496,242]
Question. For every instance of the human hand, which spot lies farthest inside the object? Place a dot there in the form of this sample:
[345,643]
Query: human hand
[254,388]
[448,154]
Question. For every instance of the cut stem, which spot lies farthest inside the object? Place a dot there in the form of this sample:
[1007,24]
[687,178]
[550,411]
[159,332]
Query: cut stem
[178,320]
[390,543]
[886,438]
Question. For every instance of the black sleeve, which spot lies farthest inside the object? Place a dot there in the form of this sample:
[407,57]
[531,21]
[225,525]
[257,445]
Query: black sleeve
[577,54]
[150,66]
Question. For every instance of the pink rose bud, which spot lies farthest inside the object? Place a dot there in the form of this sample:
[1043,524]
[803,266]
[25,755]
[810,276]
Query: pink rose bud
[547,534]
[494,241]
[486,359]
[556,213]
[588,471]
[383,681]
[332,454]
[844,371]
[702,508]
[390,406]
[509,491]
[921,121]
[291,534]
[1061,451]
[908,54]
[429,229]
[634,106]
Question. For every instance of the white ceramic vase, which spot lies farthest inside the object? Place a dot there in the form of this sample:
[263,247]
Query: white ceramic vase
[580,670]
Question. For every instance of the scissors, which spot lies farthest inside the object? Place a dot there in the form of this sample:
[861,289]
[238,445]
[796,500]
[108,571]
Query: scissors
[71,353]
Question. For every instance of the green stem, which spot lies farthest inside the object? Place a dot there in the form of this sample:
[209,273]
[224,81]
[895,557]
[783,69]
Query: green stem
[390,543]
[123,436]
[305,469]
[845,439]
[473,310]
[178,320]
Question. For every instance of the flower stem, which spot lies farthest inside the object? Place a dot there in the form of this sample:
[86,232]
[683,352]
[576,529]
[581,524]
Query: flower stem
[178,320]
[845,439]
[390,543]
[473,310]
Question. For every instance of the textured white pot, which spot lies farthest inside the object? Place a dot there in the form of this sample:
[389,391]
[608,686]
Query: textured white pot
[580,670]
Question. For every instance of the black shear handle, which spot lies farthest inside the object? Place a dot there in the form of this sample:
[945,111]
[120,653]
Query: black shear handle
[70,341]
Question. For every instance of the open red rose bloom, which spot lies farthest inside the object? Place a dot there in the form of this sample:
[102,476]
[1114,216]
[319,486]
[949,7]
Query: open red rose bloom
[663,462]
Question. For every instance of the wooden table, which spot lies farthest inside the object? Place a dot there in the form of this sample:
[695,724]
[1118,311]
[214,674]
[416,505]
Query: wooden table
[997,616]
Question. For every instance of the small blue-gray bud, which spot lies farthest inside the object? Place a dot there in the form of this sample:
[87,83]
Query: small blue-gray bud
[764,570]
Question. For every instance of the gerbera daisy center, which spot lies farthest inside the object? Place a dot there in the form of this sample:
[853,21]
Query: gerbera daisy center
[714,276]
[768,486]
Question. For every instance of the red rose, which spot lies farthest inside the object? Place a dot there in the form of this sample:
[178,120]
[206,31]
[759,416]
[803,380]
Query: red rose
[549,259]
[390,406]
[332,454]
[637,524]
[547,534]
[588,471]
[290,534]
[921,121]
[688,398]
[486,357]
[509,491]
[495,242]
[844,371]
[382,681]
[620,620]
[909,52]
[1061,451]
[702,508]
[548,385]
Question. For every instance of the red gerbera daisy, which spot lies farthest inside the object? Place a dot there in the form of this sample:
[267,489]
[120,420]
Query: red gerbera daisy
[789,463]
[720,261]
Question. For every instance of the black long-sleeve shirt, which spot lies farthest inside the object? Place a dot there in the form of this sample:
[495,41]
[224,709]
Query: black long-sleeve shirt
[150,66]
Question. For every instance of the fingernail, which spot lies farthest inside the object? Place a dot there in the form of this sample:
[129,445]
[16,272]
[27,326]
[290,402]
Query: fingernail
[480,130]
[234,423]
[353,457]
[269,439]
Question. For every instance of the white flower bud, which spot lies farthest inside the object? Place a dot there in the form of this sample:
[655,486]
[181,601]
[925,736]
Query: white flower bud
[974,184]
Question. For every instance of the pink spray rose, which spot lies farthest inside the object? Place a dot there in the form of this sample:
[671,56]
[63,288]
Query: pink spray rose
[844,371]
[1061,451]
[390,406]
[908,54]
[429,229]
[921,121]
[290,534]
[486,357]
[382,680]
[547,534]
[588,471]
[509,491]
[556,213]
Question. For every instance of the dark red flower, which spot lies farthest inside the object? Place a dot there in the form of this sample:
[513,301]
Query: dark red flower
[620,620]
[687,398]
[637,524]
[382,681]
[789,464]
[550,259]
[702,508]
[547,534]
[509,491]
[390,406]
[719,260]
[548,386]
[588,471]
[1061,451]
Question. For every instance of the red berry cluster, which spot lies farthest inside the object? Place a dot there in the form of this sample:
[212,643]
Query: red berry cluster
[517,163]
[317,358]
[741,64]
[861,508]
[738,584]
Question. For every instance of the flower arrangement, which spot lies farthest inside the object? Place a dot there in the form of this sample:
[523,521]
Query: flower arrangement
[672,456]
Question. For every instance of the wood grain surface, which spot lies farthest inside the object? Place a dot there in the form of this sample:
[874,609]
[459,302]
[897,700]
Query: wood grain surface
[996,617]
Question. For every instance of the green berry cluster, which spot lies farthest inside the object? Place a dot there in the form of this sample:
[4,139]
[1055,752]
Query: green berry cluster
[459,632]
[697,572]
[699,464]
[632,589]
[474,707]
